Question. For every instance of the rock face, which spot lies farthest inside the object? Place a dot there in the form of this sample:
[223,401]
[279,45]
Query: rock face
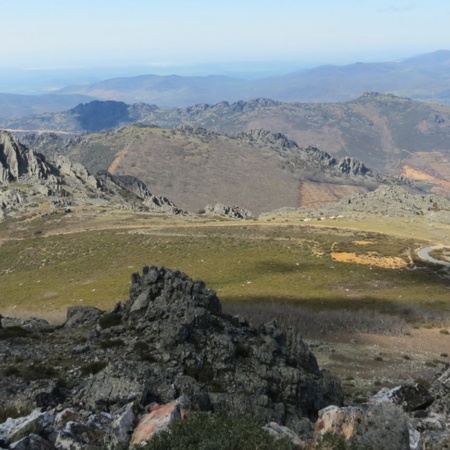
[16,161]
[169,340]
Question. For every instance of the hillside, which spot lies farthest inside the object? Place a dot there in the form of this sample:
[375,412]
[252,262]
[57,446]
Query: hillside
[257,170]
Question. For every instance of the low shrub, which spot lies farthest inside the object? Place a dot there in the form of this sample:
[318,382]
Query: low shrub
[204,431]
[93,367]
[38,371]
[12,412]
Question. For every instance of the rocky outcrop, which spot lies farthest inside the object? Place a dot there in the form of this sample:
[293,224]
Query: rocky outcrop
[139,189]
[405,417]
[352,166]
[69,168]
[233,212]
[310,158]
[169,340]
[106,378]
[17,161]
[397,201]
[29,178]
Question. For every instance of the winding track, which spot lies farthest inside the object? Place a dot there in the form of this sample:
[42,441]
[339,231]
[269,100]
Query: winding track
[424,253]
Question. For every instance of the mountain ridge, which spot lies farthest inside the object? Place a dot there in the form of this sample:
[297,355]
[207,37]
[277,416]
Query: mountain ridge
[424,77]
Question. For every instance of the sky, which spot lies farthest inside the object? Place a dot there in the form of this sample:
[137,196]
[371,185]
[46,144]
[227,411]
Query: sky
[82,33]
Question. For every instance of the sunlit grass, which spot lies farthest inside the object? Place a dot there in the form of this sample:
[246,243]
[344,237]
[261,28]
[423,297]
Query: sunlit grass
[244,262]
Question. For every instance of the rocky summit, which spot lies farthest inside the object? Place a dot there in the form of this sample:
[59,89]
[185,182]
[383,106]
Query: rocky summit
[170,340]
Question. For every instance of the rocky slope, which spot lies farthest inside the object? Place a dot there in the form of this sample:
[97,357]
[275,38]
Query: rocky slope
[86,383]
[170,339]
[28,178]
[257,170]
[394,201]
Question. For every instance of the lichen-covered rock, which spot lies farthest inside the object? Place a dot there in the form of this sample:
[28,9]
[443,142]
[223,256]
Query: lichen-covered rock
[159,419]
[32,442]
[409,397]
[379,427]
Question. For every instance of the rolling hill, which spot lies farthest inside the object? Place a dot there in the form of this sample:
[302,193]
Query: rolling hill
[257,170]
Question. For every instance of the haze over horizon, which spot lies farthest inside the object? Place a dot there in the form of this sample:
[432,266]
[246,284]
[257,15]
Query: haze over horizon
[54,34]
[52,44]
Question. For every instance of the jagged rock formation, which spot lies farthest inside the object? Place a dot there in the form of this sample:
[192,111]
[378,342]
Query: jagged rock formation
[17,161]
[28,177]
[169,339]
[140,189]
[311,158]
[234,212]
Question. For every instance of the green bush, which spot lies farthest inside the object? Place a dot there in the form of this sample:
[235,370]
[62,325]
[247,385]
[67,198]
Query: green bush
[205,431]
[335,441]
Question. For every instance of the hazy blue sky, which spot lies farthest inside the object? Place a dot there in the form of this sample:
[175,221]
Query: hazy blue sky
[174,32]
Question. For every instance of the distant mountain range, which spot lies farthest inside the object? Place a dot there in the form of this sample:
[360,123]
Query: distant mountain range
[425,77]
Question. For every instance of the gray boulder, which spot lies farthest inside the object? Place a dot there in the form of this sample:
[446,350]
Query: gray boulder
[234,212]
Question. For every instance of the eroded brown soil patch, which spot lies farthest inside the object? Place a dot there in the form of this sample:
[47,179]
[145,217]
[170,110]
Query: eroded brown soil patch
[370,259]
